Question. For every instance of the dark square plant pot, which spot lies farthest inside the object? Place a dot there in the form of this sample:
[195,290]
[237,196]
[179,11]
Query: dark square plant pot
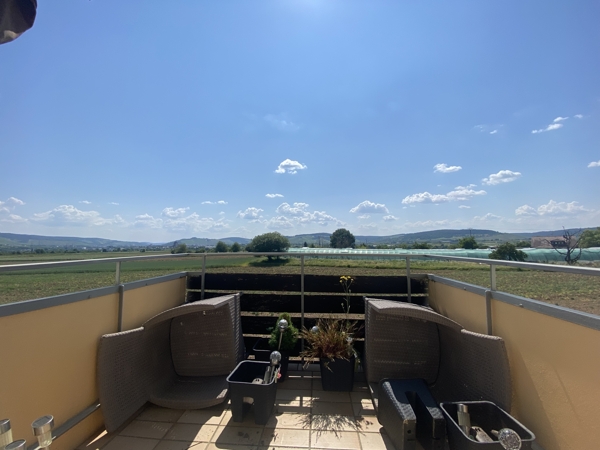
[337,374]
[262,352]
[487,416]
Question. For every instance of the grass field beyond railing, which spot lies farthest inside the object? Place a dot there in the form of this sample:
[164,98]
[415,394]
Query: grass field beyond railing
[573,291]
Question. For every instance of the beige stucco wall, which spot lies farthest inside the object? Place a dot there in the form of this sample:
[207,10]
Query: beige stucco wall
[48,357]
[555,367]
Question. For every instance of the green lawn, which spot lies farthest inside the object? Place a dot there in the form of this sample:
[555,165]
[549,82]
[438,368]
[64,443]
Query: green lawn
[573,291]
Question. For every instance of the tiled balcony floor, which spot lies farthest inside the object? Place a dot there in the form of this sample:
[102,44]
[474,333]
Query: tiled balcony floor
[305,417]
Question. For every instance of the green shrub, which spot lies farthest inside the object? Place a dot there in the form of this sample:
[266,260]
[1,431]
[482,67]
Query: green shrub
[290,335]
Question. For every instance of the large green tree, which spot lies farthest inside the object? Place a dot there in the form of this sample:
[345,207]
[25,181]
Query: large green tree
[342,238]
[269,242]
[508,251]
[221,247]
[468,242]
[590,238]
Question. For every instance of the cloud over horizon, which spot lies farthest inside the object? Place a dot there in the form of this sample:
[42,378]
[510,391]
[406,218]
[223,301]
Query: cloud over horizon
[460,193]
[370,207]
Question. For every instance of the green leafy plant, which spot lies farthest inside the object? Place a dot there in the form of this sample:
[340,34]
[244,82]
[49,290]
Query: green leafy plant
[289,338]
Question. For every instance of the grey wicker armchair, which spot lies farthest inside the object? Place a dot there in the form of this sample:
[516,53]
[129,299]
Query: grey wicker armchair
[178,359]
[407,341]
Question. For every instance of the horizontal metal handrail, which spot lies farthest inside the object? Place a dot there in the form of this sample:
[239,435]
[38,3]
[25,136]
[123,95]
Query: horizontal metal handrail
[490,262]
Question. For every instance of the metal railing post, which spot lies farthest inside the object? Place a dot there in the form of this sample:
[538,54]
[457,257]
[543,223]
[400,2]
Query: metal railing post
[203,276]
[493,277]
[408,279]
[118,273]
[121,305]
[488,310]
[302,302]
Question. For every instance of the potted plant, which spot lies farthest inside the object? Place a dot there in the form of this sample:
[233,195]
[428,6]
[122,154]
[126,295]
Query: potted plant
[288,336]
[332,342]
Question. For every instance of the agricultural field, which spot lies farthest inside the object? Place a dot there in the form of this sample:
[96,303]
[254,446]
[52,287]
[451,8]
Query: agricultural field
[572,291]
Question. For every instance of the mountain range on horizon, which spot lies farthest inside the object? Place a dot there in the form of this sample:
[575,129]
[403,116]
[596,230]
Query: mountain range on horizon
[15,241]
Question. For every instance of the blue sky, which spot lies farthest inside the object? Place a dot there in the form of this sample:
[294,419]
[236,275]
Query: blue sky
[155,121]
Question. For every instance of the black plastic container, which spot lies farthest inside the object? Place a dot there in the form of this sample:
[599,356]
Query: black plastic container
[337,374]
[489,417]
[262,352]
[240,386]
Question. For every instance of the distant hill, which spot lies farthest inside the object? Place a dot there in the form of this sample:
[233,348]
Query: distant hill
[12,241]
[206,242]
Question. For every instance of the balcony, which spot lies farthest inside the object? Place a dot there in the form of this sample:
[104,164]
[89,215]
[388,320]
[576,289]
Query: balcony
[49,351]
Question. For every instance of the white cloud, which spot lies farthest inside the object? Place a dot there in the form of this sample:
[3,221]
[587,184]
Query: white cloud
[279,222]
[389,218]
[460,193]
[194,223]
[273,195]
[10,204]
[113,203]
[208,202]
[13,218]
[487,218]
[493,131]
[85,202]
[552,208]
[172,212]
[504,176]
[444,168]
[289,166]
[299,213]
[525,210]
[280,122]
[560,119]
[464,207]
[578,116]
[364,216]
[594,164]
[298,210]
[370,207]
[250,213]
[367,226]
[147,221]
[69,214]
[554,126]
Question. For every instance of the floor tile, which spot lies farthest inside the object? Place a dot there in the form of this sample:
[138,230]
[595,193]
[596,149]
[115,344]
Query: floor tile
[181,445]
[343,409]
[376,441]
[249,420]
[155,413]
[361,387]
[284,437]
[144,429]
[131,443]
[202,416]
[364,408]
[333,422]
[331,396]
[214,446]
[191,432]
[367,424]
[360,396]
[289,420]
[293,406]
[295,383]
[293,394]
[237,435]
[335,440]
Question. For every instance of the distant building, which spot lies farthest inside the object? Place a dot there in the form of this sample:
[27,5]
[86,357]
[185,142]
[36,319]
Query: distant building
[548,242]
